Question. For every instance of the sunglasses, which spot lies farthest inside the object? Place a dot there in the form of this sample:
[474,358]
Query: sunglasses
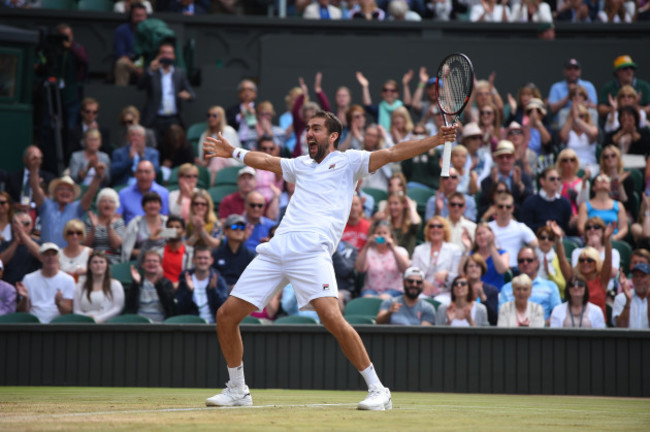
[553,179]
[200,204]
[74,233]
[586,260]
[127,122]
[592,227]
[414,281]
[543,237]
[516,132]
[210,115]
[4,202]
[439,226]
[460,283]
[238,226]
[504,206]
[609,156]
[456,204]
[525,260]
[90,112]
[389,90]
[26,223]
[568,160]
[255,205]
[452,177]
[486,112]
[578,284]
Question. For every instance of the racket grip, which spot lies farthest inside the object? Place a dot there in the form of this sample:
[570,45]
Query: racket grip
[446,159]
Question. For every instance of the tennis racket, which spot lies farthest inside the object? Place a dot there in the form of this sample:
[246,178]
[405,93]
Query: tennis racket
[453,88]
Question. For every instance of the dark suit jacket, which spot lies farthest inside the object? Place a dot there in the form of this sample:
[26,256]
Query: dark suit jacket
[76,135]
[13,182]
[518,196]
[121,163]
[231,116]
[151,82]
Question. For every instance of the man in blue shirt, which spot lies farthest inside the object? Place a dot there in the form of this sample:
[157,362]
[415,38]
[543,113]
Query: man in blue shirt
[131,196]
[126,159]
[257,224]
[544,292]
[408,309]
[558,96]
[123,42]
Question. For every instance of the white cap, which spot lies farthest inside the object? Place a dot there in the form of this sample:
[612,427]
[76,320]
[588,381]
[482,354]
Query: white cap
[413,271]
[49,246]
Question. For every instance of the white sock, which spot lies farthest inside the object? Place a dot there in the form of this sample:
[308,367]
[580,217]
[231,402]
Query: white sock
[370,375]
[236,375]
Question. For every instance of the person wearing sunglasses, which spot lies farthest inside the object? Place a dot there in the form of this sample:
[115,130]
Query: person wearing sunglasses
[463,311]
[622,183]
[130,116]
[409,308]
[496,259]
[232,256]
[624,74]
[258,225]
[612,212]
[521,311]
[574,188]
[549,263]
[216,122]
[577,311]
[630,308]
[543,292]
[203,227]
[510,234]
[437,205]
[20,255]
[390,100]
[459,225]
[89,116]
[594,236]
[73,258]
[438,258]
[548,204]
[594,269]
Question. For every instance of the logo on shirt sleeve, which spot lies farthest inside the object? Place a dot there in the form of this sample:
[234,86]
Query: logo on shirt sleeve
[326,287]
[332,166]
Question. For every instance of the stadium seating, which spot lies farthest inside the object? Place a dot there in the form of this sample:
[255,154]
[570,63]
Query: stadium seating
[377,194]
[122,272]
[251,320]
[420,196]
[73,319]
[295,319]
[227,175]
[368,306]
[129,319]
[59,4]
[19,318]
[434,303]
[360,319]
[625,251]
[95,5]
[194,133]
[185,319]
[217,193]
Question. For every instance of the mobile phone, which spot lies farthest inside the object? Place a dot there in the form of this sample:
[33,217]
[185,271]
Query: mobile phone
[168,233]
[380,240]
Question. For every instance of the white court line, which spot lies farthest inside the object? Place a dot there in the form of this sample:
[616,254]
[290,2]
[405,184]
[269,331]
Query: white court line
[162,410]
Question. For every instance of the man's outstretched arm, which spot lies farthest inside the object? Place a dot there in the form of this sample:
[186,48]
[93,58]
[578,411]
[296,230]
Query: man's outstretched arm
[220,147]
[408,149]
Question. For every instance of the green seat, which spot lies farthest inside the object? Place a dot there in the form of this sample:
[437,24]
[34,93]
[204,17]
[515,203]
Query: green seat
[569,246]
[19,318]
[73,319]
[129,319]
[507,276]
[360,319]
[295,319]
[217,193]
[625,251]
[59,4]
[377,194]
[420,196]
[637,179]
[368,306]
[434,303]
[227,175]
[193,135]
[185,319]
[95,5]
[122,272]
[251,320]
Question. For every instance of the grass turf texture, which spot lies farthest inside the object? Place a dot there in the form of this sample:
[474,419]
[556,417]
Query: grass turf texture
[144,409]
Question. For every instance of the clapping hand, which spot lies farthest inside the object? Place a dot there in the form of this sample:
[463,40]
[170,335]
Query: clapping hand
[135,275]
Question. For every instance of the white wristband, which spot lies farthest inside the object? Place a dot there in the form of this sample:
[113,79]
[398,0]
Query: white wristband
[239,154]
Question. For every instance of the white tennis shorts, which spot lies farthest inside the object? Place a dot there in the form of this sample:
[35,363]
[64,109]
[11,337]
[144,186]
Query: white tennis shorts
[300,258]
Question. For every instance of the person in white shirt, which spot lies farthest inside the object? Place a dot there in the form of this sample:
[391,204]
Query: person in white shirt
[630,308]
[301,250]
[48,292]
[510,234]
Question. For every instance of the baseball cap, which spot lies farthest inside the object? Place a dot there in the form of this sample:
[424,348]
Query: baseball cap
[234,219]
[642,267]
[572,63]
[48,246]
[413,271]
[504,147]
[246,170]
[623,61]
[432,81]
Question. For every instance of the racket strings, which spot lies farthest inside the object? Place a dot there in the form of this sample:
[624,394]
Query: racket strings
[456,80]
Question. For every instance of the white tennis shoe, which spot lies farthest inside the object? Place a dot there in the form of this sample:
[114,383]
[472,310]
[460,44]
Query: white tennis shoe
[378,399]
[231,396]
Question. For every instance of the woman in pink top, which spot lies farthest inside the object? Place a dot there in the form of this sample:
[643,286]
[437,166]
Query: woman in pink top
[383,263]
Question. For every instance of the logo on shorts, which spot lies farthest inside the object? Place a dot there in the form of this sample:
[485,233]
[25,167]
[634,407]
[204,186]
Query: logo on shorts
[332,166]
[326,287]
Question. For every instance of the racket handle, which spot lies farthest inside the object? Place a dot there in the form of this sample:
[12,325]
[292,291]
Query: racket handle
[446,159]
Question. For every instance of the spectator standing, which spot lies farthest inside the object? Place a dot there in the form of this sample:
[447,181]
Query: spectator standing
[126,65]
[105,230]
[520,312]
[77,134]
[201,291]
[408,309]
[98,296]
[48,292]
[390,100]
[151,295]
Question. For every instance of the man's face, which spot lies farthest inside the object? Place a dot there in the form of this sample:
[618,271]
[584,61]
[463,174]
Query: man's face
[151,264]
[255,206]
[413,287]
[571,74]
[246,183]
[167,51]
[456,208]
[247,92]
[318,139]
[527,262]
[625,75]
[145,175]
[67,31]
[25,222]
[449,184]
[641,282]
[236,232]
[356,210]
[138,15]
[89,113]
[34,154]
[64,194]
[505,207]
[505,162]
[551,183]
[202,260]
[267,147]
[50,260]
[137,140]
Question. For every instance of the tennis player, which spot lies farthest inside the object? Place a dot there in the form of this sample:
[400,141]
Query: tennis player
[301,251]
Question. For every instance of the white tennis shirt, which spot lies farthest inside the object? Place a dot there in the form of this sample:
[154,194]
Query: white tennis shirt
[323,196]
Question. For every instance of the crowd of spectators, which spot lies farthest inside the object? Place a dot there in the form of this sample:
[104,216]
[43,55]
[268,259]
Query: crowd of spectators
[540,204]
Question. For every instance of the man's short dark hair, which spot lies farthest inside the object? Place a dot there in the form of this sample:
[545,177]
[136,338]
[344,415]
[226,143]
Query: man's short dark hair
[138,5]
[546,170]
[458,195]
[332,123]
[174,218]
[201,248]
[151,196]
